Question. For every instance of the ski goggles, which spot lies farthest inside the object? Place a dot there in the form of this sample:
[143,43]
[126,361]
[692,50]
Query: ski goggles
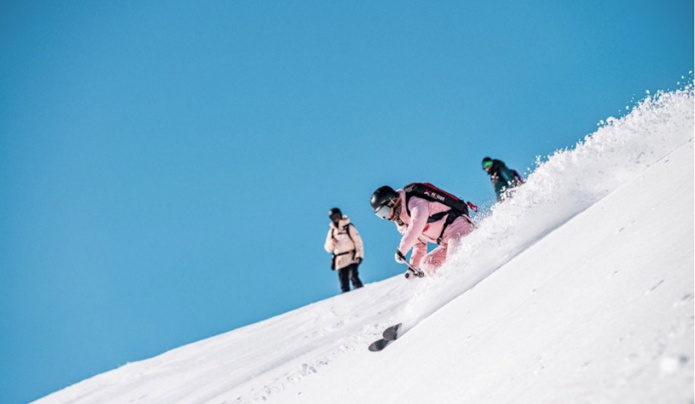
[335,216]
[384,212]
[487,165]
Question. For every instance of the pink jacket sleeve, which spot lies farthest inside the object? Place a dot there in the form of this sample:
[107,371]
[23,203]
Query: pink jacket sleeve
[418,221]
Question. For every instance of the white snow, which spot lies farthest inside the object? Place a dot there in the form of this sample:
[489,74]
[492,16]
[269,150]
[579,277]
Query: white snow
[579,289]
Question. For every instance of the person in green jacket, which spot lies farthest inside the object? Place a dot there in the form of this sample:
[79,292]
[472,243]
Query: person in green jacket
[503,178]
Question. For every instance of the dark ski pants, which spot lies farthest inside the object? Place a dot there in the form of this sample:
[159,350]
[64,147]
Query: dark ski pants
[347,274]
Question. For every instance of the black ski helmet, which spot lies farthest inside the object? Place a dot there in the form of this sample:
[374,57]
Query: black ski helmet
[485,160]
[486,163]
[383,196]
[334,212]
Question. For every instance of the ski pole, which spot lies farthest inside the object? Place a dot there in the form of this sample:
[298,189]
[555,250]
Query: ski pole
[415,272]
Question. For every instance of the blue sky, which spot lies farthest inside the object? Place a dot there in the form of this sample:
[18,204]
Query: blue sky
[166,168]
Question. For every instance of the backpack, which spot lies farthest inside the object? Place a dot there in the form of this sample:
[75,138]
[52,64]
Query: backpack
[429,192]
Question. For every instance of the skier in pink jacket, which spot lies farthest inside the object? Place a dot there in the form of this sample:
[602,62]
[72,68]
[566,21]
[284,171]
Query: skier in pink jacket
[423,214]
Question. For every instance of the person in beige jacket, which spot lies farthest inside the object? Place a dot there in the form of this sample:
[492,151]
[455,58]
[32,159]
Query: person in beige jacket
[344,242]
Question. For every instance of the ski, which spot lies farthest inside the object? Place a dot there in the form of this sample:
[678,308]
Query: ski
[379,344]
[389,335]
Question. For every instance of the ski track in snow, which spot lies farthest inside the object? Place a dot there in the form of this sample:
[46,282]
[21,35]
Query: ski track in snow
[303,342]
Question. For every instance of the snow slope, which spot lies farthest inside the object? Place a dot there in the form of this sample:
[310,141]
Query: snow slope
[577,290]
